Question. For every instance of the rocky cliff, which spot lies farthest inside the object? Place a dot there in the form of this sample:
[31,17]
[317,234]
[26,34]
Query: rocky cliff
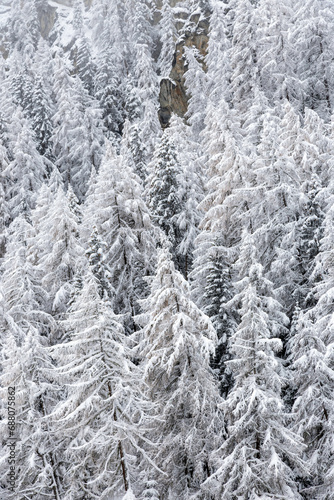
[47,19]
[173,95]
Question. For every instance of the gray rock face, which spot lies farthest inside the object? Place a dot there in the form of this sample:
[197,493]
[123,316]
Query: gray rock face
[173,94]
[47,19]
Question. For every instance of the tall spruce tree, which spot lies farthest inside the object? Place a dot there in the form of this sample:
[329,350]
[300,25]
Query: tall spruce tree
[145,77]
[163,191]
[61,254]
[77,136]
[261,456]
[4,209]
[168,35]
[95,254]
[243,54]
[117,208]
[312,344]
[26,368]
[24,297]
[82,52]
[312,379]
[103,416]
[27,169]
[312,45]
[177,341]
[109,79]
[190,190]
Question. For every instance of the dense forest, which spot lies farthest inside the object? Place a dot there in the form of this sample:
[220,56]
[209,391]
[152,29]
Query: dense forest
[167,250]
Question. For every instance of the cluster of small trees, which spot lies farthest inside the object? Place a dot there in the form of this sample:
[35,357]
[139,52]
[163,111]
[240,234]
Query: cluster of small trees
[166,295]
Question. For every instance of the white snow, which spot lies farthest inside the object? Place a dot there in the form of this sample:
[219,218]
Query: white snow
[4,11]
[129,496]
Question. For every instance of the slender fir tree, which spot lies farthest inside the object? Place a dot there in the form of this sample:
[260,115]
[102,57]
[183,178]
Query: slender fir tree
[103,415]
[177,341]
[261,456]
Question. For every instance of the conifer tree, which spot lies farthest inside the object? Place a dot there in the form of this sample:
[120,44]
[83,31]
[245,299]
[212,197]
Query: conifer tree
[4,209]
[96,260]
[219,233]
[21,82]
[312,379]
[216,60]
[278,74]
[37,246]
[291,134]
[190,190]
[103,415]
[317,144]
[243,54]
[25,299]
[110,74]
[177,341]
[273,199]
[311,231]
[64,116]
[26,365]
[86,142]
[223,207]
[253,125]
[321,315]
[38,98]
[168,38]
[311,42]
[99,15]
[146,80]
[257,457]
[24,28]
[44,66]
[312,344]
[62,255]
[41,119]
[196,83]
[27,368]
[26,170]
[77,137]
[217,293]
[132,148]
[82,51]
[117,208]
[8,127]
[163,191]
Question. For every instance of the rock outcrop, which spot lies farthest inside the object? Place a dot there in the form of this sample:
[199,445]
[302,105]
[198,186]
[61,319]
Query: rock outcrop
[47,18]
[173,94]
